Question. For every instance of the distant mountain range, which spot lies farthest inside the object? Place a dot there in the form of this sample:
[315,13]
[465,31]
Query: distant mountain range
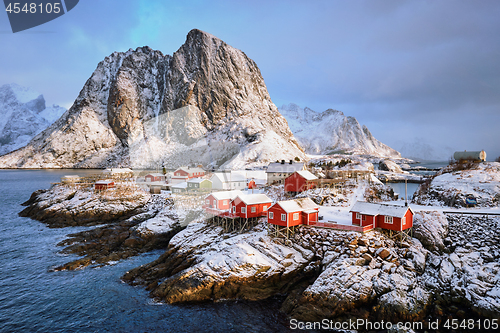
[206,104]
[23,115]
[331,131]
[422,151]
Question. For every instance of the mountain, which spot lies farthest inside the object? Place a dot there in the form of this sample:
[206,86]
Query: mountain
[207,104]
[331,131]
[423,151]
[23,115]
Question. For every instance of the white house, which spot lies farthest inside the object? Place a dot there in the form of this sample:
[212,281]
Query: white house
[233,180]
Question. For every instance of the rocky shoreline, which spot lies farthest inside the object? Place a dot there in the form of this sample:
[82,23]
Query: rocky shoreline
[450,270]
[120,214]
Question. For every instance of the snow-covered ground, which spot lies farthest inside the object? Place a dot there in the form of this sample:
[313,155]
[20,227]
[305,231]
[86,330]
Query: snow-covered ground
[482,182]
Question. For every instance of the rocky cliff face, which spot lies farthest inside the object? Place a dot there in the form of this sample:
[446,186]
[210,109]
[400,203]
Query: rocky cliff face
[330,131]
[23,115]
[205,104]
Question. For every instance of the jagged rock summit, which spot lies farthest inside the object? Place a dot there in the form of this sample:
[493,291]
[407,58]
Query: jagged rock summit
[205,104]
[331,131]
[23,115]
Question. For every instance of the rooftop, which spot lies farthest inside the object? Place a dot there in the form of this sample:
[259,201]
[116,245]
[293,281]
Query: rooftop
[307,175]
[375,209]
[285,168]
[296,205]
[226,194]
[250,199]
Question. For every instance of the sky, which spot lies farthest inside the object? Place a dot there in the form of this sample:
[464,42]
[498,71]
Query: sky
[414,72]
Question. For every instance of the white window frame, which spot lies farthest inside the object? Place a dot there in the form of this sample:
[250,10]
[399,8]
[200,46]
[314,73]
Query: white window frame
[358,216]
[295,216]
[207,201]
[264,208]
[243,210]
[388,220]
[283,217]
[224,202]
[271,215]
[403,220]
[253,209]
[234,209]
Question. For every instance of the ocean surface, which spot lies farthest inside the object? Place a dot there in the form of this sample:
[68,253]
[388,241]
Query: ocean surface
[33,299]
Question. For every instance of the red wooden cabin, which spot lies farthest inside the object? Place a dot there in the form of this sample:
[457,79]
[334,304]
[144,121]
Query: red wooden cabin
[390,217]
[154,177]
[250,205]
[104,184]
[300,181]
[293,212]
[218,202]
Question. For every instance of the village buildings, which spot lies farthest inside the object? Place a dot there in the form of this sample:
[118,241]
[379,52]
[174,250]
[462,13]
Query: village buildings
[300,181]
[101,185]
[390,217]
[155,177]
[199,184]
[250,205]
[183,174]
[277,172]
[179,187]
[219,202]
[231,180]
[295,212]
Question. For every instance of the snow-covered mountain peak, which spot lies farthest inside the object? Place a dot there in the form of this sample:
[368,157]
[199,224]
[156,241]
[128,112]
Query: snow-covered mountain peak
[22,94]
[330,131]
[130,110]
[22,116]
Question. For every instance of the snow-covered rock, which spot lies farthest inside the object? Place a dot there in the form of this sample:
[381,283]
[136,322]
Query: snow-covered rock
[430,228]
[23,115]
[207,104]
[451,188]
[203,263]
[469,271]
[388,165]
[331,131]
[63,206]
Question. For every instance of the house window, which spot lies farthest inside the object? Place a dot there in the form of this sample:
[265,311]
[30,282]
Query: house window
[224,202]
[271,215]
[388,219]
[295,216]
[358,216]
[253,210]
[234,209]
[283,217]
[264,208]
[404,220]
[243,209]
[363,217]
[207,202]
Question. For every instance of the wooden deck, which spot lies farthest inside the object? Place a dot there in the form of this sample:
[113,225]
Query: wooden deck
[336,226]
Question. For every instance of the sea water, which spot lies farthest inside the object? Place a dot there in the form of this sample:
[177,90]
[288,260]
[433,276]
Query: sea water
[35,299]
